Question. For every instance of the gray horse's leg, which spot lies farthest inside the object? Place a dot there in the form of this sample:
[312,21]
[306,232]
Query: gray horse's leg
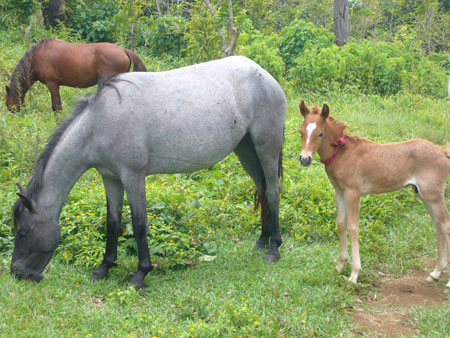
[134,185]
[246,153]
[269,154]
[114,200]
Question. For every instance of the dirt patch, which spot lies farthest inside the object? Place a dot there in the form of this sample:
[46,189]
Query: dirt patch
[385,315]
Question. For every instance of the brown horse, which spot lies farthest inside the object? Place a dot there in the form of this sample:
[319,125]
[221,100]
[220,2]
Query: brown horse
[54,63]
[358,167]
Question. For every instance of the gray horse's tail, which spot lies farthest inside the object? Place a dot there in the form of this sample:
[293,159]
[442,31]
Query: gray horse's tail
[138,65]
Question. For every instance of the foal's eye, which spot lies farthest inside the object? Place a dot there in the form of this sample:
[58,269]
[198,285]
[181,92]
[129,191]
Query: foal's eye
[321,134]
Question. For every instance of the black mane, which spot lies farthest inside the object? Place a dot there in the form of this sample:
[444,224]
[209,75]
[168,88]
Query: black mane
[35,183]
[23,73]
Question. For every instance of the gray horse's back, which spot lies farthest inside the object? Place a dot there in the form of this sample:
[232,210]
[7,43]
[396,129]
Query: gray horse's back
[185,119]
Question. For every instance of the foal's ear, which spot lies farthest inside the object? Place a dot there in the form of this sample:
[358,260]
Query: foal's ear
[303,109]
[325,111]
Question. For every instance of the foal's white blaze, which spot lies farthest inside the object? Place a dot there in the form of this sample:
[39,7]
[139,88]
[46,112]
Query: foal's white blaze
[310,128]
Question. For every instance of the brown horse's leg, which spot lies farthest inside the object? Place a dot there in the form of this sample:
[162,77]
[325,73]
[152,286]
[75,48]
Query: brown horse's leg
[342,227]
[351,200]
[56,98]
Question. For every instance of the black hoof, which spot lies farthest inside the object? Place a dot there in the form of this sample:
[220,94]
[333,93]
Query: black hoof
[138,281]
[259,245]
[99,275]
[272,257]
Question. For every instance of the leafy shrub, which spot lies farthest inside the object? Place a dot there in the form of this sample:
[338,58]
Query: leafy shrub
[92,19]
[264,51]
[370,67]
[16,12]
[167,36]
[299,35]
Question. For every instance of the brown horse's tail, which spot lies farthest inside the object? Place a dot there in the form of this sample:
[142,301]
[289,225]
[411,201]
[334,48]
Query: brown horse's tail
[138,65]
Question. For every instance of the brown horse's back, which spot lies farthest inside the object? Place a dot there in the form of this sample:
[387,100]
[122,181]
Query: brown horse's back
[78,65]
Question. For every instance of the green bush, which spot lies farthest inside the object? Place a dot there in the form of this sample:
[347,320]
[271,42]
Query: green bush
[16,12]
[264,51]
[92,19]
[298,36]
[369,67]
[167,36]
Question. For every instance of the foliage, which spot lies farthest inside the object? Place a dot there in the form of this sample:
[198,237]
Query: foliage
[167,36]
[264,51]
[369,67]
[92,19]
[300,35]
[16,12]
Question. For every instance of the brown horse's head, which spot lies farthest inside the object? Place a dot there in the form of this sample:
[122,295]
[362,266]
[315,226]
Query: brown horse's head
[13,100]
[312,130]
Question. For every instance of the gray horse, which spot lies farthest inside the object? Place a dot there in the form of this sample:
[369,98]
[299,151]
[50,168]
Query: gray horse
[139,124]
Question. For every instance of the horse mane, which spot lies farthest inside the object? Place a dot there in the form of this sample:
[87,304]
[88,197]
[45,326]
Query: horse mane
[341,126]
[35,183]
[23,73]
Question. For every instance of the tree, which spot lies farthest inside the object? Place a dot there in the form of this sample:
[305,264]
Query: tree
[340,14]
[229,42]
[54,12]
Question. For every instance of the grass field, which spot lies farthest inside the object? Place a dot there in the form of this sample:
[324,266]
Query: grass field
[237,294]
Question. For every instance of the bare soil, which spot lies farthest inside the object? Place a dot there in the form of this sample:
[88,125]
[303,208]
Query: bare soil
[385,314]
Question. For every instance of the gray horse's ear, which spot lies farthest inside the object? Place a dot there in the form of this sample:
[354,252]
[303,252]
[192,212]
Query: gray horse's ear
[325,111]
[27,202]
[303,109]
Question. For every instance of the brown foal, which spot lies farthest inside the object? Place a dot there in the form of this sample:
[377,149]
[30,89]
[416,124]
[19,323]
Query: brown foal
[358,167]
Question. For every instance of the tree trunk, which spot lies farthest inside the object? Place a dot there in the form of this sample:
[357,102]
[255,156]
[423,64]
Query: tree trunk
[229,42]
[341,33]
[54,12]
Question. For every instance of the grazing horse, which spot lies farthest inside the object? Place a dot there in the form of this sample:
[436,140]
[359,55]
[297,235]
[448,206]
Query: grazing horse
[139,124]
[58,63]
[358,167]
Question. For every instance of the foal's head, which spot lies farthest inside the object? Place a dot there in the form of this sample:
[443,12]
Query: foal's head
[312,130]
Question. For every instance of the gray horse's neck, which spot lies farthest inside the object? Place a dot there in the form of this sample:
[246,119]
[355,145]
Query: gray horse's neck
[65,166]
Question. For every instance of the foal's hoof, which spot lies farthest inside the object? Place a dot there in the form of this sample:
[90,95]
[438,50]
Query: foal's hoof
[272,257]
[447,290]
[430,279]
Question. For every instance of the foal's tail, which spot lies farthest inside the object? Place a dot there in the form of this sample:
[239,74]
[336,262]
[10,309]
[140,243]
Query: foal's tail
[138,65]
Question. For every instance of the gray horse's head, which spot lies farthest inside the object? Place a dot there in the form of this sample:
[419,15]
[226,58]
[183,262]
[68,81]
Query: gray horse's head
[36,238]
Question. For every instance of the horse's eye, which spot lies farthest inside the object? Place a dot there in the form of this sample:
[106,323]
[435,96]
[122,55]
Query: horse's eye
[22,233]
[321,134]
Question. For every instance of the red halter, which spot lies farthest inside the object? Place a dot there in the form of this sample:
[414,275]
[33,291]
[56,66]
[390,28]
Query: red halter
[341,141]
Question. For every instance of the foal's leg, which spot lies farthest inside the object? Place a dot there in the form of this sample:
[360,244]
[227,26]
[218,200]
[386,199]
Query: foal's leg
[114,200]
[135,188]
[56,98]
[441,219]
[342,227]
[351,200]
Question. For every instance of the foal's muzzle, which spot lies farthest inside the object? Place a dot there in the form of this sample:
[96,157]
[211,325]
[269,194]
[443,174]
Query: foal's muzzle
[305,160]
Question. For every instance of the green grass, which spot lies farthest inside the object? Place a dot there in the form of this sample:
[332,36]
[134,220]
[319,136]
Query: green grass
[237,294]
